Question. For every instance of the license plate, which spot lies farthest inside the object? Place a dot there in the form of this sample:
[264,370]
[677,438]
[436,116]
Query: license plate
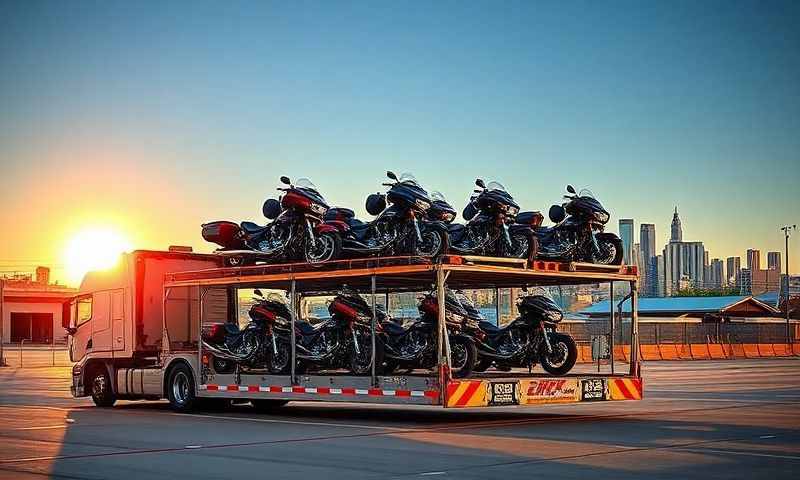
[503,393]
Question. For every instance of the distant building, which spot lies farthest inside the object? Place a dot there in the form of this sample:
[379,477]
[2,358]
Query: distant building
[676,232]
[684,265]
[733,271]
[682,308]
[647,248]
[626,234]
[753,259]
[32,308]
[659,285]
[717,277]
[774,261]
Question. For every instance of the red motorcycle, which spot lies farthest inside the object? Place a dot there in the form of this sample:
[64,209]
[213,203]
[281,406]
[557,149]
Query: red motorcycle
[297,231]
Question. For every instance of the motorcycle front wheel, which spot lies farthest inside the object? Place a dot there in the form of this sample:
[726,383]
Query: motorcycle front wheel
[327,246]
[462,356]
[433,244]
[563,357]
[610,247]
[361,361]
[520,247]
[279,361]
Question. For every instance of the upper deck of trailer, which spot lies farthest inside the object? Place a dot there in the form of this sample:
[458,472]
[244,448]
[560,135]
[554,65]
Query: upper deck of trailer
[394,274]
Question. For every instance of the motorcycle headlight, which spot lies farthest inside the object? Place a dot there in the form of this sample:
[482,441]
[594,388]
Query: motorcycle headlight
[512,210]
[448,217]
[422,204]
[601,217]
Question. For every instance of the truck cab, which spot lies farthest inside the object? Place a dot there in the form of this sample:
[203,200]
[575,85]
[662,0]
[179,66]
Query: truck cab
[116,322]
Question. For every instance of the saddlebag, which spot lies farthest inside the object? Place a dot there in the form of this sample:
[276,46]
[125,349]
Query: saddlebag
[339,213]
[224,233]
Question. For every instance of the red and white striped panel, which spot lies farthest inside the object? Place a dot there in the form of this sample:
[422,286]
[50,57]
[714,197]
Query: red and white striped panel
[374,392]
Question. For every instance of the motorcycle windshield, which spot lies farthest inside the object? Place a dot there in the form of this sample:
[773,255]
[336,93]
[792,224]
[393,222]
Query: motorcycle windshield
[310,190]
[408,177]
[496,186]
[438,196]
[471,309]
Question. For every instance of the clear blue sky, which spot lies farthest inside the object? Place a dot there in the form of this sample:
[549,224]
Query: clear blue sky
[186,112]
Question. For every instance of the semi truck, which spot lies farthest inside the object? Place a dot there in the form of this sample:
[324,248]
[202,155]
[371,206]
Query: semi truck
[136,332]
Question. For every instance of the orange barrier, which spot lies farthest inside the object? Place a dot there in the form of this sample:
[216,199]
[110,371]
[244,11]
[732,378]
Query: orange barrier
[669,352]
[585,353]
[699,351]
[650,352]
[750,350]
[619,353]
[685,352]
[765,350]
[796,348]
[717,351]
[782,349]
[738,350]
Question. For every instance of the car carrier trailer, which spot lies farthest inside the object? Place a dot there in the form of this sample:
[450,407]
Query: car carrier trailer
[181,371]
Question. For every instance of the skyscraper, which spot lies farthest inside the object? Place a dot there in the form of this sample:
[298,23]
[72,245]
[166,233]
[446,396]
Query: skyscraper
[774,261]
[733,271]
[684,263]
[753,259]
[647,246]
[676,234]
[626,234]
[717,274]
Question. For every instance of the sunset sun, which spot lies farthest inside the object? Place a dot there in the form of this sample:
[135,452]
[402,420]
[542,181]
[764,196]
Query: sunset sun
[93,249]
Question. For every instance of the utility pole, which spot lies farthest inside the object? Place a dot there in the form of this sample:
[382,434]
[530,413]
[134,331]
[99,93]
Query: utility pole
[787,231]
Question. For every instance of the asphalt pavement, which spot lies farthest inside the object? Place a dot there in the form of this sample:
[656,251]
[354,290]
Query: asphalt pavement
[701,419]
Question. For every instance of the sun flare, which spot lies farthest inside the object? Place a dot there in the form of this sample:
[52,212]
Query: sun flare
[93,249]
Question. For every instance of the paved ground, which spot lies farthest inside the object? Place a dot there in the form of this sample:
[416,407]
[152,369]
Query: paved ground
[727,419]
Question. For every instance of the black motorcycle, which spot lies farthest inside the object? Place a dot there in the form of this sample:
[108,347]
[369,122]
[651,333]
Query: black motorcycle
[491,227]
[398,229]
[259,345]
[531,338]
[297,231]
[343,341]
[577,234]
[415,345]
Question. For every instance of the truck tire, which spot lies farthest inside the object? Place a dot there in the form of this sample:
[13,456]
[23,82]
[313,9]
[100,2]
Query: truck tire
[180,388]
[100,385]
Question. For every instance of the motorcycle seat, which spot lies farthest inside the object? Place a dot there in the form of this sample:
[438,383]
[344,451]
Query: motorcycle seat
[250,227]
[232,328]
[490,328]
[307,328]
[393,328]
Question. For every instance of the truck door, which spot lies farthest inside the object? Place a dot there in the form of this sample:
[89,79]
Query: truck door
[118,320]
[101,322]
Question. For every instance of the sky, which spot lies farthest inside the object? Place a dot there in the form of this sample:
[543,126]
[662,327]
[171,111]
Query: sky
[153,117]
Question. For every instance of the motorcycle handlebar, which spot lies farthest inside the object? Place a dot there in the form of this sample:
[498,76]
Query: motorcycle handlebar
[387,184]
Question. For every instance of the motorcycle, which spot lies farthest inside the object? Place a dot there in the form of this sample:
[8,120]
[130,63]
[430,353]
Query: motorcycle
[491,228]
[397,229]
[297,231]
[531,338]
[415,345]
[343,341]
[260,344]
[577,234]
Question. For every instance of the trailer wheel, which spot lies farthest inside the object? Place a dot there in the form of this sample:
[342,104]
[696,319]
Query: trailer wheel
[100,384]
[180,388]
[265,405]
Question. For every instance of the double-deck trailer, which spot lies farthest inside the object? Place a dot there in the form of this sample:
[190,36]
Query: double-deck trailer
[160,302]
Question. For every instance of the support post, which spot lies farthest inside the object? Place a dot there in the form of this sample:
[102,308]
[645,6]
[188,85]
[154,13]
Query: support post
[374,325]
[293,308]
[611,339]
[497,306]
[634,328]
[444,341]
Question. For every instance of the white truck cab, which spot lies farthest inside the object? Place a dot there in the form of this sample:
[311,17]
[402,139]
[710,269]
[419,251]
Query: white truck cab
[115,325]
